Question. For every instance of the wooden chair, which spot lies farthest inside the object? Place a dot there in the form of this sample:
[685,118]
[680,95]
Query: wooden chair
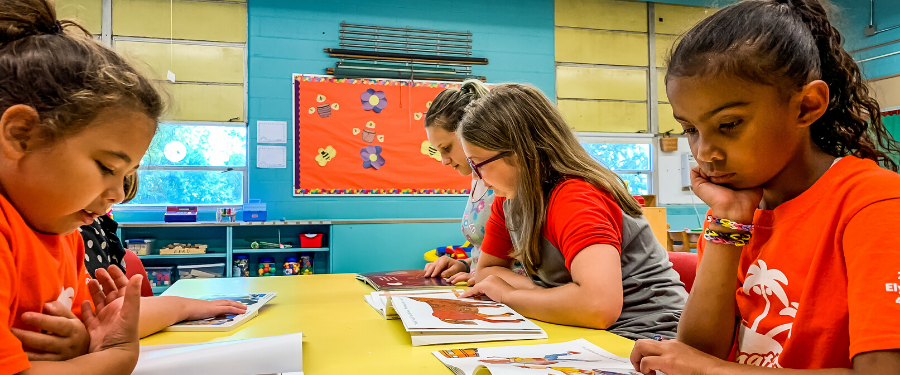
[687,238]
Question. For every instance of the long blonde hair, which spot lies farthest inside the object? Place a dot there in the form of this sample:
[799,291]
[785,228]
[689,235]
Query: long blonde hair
[449,105]
[519,118]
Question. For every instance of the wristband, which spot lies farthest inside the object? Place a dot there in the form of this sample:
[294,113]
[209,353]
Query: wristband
[736,239]
[729,224]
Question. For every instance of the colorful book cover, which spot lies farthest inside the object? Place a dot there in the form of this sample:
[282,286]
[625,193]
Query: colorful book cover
[404,279]
[253,301]
[381,301]
[579,357]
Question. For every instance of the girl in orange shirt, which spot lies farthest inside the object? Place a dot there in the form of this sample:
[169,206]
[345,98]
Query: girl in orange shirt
[799,263]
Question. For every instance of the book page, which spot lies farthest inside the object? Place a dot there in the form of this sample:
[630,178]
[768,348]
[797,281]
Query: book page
[569,358]
[266,355]
[446,312]
[253,301]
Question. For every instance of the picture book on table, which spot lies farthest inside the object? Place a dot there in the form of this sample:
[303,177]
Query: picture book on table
[228,322]
[444,318]
[579,357]
[381,301]
[404,279]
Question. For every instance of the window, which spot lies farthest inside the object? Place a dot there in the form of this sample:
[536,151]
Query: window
[194,165]
[632,161]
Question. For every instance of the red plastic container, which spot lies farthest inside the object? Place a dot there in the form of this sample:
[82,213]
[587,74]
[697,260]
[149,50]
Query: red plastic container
[311,240]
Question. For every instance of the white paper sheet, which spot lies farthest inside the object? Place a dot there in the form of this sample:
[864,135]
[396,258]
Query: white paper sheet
[271,132]
[265,355]
[271,157]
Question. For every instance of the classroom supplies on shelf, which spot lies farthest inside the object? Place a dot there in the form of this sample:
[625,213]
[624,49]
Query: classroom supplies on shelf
[180,248]
[311,240]
[254,210]
[573,357]
[225,214]
[180,214]
[306,266]
[223,323]
[381,301]
[140,246]
[241,266]
[266,267]
[201,271]
[280,354]
[444,319]
[162,276]
[269,245]
[405,279]
[291,266]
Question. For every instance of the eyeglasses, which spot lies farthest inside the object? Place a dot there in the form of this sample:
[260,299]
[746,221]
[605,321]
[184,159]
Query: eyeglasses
[479,165]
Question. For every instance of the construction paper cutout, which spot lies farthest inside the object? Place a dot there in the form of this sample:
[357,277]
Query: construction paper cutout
[368,136]
[429,150]
[371,156]
[325,155]
[312,110]
[320,98]
[324,110]
[428,105]
[380,138]
[335,106]
[370,124]
[356,131]
[417,116]
[373,100]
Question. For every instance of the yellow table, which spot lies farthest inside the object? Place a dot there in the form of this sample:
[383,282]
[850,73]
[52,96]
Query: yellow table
[342,333]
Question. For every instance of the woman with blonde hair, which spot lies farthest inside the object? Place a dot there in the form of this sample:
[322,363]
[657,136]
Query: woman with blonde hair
[591,258]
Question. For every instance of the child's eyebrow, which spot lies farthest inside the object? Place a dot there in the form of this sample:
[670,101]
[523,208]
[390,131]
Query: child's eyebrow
[712,113]
[118,154]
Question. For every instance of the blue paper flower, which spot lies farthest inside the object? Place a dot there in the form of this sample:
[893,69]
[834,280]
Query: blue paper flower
[373,100]
[371,156]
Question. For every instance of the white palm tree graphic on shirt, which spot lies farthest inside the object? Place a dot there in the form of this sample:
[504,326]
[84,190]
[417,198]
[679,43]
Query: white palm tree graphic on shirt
[766,282]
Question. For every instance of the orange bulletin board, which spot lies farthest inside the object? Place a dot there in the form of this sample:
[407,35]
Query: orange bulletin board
[367,136]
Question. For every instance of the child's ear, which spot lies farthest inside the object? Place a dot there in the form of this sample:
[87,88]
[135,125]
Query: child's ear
[813,102]
[19,131]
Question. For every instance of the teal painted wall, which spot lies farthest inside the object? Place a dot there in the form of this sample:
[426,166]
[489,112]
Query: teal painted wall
[386,247]
[851,18]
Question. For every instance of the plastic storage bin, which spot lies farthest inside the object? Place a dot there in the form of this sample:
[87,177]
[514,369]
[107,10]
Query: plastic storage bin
[291,266]
[162,276]
[267,267]
[311,240]
[254,210]
[141,246]
[241,266]
[201,271]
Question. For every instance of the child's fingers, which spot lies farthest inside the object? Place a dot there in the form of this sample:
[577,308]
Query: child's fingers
[107,284]
[97,294]
[38,341]
[462,276]
[56,308]
[118,276]
[452,268]
[131,306]
[87,315]
[54,324]
[473,291]
[46,357]
[642,349]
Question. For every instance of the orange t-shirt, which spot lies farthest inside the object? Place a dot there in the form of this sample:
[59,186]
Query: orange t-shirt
[35,269]
[818,282]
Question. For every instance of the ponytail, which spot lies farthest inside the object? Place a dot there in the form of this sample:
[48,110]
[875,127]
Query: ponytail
[448,106]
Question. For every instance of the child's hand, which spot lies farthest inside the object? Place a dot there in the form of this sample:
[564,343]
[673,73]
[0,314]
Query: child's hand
[113,284]
[467,277]
[672,358]
[444,267]
[115,325]
[66,336]
[195,309]
[726,203]
[492,286]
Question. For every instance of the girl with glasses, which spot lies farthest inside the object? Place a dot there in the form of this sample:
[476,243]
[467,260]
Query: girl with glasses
[590,256]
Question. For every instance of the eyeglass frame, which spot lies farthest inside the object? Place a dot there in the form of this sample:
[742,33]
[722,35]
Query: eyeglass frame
[479,165]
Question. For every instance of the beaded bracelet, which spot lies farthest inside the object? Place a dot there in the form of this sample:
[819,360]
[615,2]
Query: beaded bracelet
[736,239]
[729,224]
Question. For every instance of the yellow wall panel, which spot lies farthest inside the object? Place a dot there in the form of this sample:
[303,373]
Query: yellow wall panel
[665,44]
[678,19]
[593,116]
[601,83]
[190,63]
[86,12]
[667,121]
[601,47]
[205,102]
[602,14]
[193,20]
[886,92]
[661,86]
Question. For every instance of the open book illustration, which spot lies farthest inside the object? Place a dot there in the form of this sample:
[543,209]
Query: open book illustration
[253,301]
[443,318]
[264,355]
[381,301]
[400,280]
[569,358]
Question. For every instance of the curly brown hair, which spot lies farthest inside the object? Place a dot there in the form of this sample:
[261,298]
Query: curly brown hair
[57,68]
[787,44]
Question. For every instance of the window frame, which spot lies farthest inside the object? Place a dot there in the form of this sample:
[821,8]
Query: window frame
[630,138]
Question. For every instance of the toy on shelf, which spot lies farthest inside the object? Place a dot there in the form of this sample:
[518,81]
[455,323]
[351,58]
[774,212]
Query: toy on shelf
[291,267]
[254,210]
[266,267]
[241,266]
[140,246]
[459,252]
[180,214]
[306,265]
[180,248]
[225,214]
[269,245]
[161,276]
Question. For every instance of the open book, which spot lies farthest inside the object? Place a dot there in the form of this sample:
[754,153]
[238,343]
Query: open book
[265,355]
[381,301]
[223,323]
[401,280]
[567,358]
[443,318]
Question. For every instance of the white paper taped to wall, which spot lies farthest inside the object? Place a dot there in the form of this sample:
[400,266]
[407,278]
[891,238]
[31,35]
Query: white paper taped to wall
[271,132]
[271,157]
